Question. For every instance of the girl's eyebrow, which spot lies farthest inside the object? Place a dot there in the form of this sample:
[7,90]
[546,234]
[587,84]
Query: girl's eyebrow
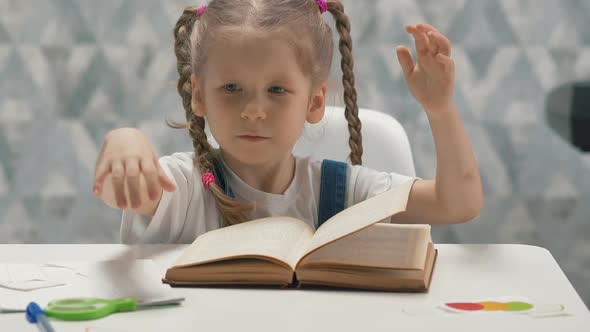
[279,79]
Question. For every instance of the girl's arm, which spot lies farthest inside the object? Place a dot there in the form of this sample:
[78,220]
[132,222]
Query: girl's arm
[455,194]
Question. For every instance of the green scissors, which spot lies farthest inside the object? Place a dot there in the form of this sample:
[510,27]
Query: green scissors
[85,308]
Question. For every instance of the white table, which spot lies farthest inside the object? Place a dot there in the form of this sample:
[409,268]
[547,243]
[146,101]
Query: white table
[462,272]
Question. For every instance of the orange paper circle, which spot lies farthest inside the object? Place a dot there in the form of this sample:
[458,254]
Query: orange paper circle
[495,306]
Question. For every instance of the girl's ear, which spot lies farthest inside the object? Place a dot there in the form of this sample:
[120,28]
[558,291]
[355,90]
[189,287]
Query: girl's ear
[197,104]
[317,104]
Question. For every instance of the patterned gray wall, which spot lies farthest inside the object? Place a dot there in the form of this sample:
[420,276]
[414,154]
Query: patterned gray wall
[72,70]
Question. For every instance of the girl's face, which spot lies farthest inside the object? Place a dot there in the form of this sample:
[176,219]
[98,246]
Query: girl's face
[256,97]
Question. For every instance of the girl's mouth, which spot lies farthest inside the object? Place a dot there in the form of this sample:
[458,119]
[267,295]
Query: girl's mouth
[253,138]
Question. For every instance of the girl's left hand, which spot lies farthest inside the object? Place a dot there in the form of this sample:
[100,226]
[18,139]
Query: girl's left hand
[431,78]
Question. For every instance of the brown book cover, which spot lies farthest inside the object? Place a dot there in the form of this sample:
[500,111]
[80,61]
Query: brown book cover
[356,248]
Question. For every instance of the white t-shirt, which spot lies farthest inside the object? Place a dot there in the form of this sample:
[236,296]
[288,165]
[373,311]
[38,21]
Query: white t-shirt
[190,211]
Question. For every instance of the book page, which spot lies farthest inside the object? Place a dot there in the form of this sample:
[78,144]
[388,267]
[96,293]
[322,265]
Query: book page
[393,246]
[281,238]
[361,215]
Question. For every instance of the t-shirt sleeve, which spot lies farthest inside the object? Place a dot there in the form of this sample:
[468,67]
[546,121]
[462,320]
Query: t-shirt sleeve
[365,183]
[167,224]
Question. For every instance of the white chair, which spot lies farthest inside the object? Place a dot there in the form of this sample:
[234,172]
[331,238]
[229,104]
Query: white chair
[385,143]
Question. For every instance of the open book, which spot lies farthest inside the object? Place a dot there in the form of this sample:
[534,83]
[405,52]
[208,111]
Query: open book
[351,249]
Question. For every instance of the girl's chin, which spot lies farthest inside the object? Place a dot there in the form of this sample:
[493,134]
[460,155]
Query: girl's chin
[250,155]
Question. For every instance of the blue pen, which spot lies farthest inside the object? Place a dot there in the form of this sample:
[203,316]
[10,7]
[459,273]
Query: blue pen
[36,315]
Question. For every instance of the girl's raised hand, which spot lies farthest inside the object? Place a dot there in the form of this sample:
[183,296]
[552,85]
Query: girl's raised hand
[129,160]
[431,78]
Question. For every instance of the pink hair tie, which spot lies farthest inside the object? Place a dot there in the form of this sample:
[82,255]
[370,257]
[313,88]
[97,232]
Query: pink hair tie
[207,179]
[323,5]
[201,10]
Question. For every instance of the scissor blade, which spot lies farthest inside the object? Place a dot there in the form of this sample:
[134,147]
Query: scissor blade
[156,303]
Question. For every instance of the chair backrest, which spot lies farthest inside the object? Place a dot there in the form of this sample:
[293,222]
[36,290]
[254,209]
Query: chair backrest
[385,143]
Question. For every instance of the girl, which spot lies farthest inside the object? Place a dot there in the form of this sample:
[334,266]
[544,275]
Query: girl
[257,70]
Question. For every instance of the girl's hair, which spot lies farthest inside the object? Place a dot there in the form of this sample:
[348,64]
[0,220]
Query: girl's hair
[303,26]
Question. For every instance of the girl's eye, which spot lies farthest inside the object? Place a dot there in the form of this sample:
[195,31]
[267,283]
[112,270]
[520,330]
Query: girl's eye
[232,87]
[276,90]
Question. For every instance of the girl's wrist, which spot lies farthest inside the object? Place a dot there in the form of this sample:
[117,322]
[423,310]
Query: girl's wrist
[441,111]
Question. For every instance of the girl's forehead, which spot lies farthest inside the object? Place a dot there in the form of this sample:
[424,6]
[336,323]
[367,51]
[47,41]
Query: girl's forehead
[250,46]
[252,52]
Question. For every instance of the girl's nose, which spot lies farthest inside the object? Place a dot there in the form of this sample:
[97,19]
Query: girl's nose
[254,110]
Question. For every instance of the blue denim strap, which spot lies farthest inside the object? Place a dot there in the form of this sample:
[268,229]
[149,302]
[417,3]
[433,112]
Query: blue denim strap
[332,189]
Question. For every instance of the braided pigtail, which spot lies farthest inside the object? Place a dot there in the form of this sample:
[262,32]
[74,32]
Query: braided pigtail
[350,101]
[232,210]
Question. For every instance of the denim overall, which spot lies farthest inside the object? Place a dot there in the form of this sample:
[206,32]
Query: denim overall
[332,189]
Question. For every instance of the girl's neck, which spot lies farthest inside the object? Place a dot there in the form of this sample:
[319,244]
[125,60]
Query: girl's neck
[270,177]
